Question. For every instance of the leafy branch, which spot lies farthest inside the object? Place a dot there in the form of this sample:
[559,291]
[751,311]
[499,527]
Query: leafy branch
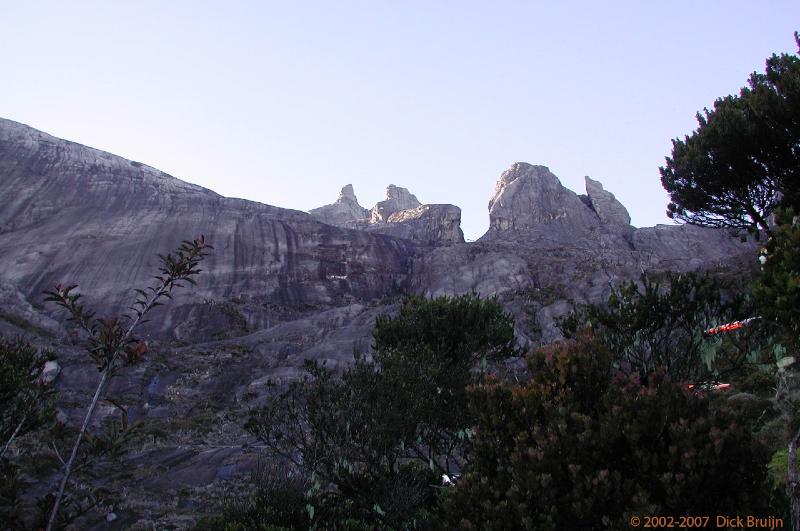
[108,341]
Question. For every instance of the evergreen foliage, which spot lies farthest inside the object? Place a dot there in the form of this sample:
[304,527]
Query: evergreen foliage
[582,446]
[777,288]
[743,160]
[651,324]
[26,404]
[276,503]
[375,439]
[741,166]
[777,291]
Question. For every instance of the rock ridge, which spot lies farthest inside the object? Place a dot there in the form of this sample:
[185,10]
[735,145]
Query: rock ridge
[400,215]
[282,287]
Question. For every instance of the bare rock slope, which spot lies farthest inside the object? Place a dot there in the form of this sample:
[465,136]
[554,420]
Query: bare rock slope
[75,214]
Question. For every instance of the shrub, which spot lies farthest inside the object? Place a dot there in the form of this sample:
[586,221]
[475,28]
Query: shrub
[277,502]
[578,448]
[661,324]
[375,438]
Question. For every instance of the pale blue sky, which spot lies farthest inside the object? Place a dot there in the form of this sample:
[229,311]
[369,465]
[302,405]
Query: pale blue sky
[285,102]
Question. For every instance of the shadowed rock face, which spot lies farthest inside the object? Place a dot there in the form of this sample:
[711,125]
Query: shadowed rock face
[281,287]
[541,272]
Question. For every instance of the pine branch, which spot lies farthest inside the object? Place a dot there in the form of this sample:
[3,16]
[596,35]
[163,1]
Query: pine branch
[13,435]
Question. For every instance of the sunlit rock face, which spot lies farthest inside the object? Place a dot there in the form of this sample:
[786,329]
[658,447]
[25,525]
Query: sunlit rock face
[400,215]
[425,224]
[605,205]
[527,196]
[343,211]
[397,199]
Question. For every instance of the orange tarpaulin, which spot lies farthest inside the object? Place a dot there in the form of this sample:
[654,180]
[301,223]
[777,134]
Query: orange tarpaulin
[728,327]
[711,386]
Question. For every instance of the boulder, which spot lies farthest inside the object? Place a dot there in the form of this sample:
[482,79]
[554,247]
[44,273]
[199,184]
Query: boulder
[50,372]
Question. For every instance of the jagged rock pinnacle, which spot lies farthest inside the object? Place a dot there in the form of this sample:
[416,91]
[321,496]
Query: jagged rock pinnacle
[347,194]
[608,209]
[344,210]
[527,196]
[400,214]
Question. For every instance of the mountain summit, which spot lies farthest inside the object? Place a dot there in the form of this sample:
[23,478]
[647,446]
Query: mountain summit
[283,286]
[400,214]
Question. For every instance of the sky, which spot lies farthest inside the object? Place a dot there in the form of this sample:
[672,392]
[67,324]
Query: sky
[286,102]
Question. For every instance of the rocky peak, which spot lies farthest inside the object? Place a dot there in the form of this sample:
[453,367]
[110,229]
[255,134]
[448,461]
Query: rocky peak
[343,211]
[608,209]
[397,199]
[347,195]
[400,214]
[527,196]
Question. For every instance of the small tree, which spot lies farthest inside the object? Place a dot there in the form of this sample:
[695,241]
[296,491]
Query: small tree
[742,162]
[432,350]
[376,437]
[741,166]
[277,502]
[110,343]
